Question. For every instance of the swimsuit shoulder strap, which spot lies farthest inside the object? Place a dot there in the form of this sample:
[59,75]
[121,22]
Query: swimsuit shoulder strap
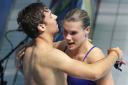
[88,52]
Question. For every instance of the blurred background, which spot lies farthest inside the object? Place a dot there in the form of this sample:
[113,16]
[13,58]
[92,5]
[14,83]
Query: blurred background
[109,23]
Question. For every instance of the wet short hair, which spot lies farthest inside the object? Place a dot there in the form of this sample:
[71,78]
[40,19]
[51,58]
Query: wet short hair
[30,17]
[78,15]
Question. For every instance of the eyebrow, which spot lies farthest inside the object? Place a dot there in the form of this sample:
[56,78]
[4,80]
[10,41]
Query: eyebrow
[48,11]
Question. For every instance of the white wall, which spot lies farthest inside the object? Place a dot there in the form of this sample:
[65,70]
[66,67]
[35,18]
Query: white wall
[112,30]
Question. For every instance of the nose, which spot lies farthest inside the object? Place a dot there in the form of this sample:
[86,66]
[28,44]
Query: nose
[68,37]
[55,16]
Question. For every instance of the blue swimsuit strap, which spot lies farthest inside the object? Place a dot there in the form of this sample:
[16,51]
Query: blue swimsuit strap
[88,52]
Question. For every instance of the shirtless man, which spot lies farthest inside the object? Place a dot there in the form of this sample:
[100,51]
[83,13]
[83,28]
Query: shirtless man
[45,65]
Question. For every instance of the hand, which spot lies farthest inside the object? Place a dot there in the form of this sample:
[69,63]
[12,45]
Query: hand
[117,51]
[21,50]
[20,53]
[120,60]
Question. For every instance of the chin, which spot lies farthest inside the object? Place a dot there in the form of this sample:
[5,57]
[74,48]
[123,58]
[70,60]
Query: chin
[71,47]
[57,29]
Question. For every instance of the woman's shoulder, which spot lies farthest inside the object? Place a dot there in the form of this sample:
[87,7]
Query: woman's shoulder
[95,55]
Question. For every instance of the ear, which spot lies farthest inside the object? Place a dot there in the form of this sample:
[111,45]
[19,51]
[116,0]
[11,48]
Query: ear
[87,29]
[41,27]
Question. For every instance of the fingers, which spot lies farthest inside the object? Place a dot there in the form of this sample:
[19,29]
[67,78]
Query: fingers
[120,60]
[20,53]
[123,62]
[118,51]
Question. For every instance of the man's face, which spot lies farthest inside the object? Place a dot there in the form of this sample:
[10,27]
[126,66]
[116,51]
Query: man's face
[50,22]
[74,34]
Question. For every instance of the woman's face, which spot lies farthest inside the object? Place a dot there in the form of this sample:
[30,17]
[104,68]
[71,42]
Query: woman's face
[74,34]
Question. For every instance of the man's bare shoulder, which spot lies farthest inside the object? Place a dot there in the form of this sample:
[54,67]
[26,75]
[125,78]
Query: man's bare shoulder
[57,53]
[55,57]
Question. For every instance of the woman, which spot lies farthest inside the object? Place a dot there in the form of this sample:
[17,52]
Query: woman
[77,45]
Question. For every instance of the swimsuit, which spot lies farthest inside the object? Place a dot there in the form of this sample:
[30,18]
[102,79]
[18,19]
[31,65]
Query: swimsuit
[76,81]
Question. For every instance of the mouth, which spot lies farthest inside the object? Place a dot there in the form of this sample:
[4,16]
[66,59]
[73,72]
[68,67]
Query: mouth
[71,43]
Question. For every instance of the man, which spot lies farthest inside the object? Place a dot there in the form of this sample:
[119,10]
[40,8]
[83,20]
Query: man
[45,65]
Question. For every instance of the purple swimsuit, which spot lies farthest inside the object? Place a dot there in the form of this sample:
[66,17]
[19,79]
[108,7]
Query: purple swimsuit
[76,81]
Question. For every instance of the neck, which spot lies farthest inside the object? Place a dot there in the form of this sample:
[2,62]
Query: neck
[85,45]
[44,39]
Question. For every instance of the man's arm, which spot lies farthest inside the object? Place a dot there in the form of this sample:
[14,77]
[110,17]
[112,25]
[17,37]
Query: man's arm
[61,61]
[106,80]
[95,55]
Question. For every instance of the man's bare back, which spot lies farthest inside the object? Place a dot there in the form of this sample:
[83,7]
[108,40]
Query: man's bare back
[37,70]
